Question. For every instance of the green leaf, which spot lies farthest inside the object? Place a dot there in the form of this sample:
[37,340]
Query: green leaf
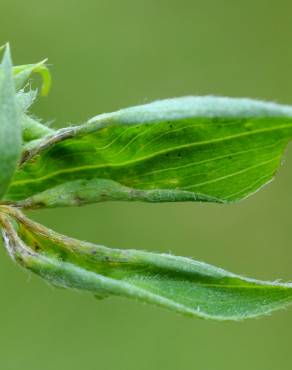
[23,73]
[33,129]
[180,284]
[10,130]
[193,148]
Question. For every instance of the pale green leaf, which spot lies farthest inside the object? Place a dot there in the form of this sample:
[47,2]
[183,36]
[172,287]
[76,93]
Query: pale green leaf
[10,129]
[32,129]
[180,284]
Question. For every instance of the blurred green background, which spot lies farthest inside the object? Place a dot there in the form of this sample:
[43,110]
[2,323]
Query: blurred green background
[109,54]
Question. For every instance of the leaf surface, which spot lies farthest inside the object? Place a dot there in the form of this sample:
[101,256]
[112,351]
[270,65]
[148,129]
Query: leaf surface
[10,129]
[185,149]
[180,284]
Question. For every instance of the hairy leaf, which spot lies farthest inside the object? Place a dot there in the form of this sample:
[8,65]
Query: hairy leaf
[23,73]
[32,129]
[193,148]
[10,130]
[179,284]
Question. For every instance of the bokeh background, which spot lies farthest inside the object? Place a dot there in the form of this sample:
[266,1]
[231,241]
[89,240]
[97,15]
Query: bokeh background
[109,54]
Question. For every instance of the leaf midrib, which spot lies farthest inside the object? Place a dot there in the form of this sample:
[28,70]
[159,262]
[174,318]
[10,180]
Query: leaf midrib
[190,145]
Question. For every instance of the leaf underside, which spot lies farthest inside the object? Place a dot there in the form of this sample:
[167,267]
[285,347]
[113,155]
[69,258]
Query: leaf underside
[180,284]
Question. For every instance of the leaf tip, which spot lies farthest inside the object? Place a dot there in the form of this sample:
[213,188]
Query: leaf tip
[43,70]
[6,54]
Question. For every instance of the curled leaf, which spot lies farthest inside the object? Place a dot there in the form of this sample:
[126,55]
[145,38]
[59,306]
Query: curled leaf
[32,128]
[180,284]
[23,73]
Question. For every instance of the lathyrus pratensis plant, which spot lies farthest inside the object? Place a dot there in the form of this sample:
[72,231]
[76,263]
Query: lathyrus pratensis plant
[206,149]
